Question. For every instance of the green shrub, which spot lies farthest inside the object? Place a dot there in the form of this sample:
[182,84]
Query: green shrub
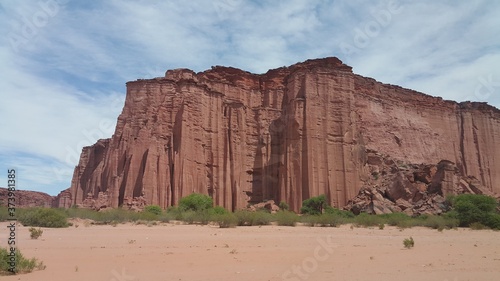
[477,226]
[43,217]
[329,220]
[409,243]
[226,220]
[440,222]
[117,215]
[196,202]
[23,265]
[174,213]
[313,205]
[324,220]
[473,208]
[218,210]
[248,218]
[286,218]
[493,221]
[196,217]
[340,213]
[309,220]
[284,206]
[35,233]
[153,209]
[397,219]
[367,220]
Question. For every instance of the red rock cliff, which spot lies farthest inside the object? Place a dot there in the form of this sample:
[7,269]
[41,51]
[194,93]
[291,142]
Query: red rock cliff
[287,135]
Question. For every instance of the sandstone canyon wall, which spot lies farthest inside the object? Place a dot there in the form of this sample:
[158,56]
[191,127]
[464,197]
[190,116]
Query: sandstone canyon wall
[286,135]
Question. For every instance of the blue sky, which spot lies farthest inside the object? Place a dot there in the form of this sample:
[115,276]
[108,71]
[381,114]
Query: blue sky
[64,63]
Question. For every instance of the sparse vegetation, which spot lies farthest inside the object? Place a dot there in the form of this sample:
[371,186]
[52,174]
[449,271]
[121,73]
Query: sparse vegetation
[43,217]
[153,209]
[474,211]
[35,233]
[248,218]
[226,220]
[409,243]
[286,218]
[23,264]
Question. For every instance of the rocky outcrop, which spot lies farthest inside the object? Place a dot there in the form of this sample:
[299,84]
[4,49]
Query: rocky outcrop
[396,186]
[286,135]
[268,206]
[63,199]
[27,199]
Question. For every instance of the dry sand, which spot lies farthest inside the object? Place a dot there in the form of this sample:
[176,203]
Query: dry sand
[188,252]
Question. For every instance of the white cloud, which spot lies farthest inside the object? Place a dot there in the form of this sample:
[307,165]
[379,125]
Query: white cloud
[68,68]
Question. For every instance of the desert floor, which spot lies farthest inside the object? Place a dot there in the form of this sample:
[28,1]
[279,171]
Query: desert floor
[171,251]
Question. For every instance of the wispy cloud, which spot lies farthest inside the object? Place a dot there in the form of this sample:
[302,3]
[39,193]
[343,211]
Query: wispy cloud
[65,63]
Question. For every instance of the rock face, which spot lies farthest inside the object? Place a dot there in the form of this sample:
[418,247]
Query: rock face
[63,199]
[27,199]
[286,135]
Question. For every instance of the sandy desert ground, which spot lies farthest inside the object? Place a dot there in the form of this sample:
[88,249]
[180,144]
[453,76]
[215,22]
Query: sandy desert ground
[130,252]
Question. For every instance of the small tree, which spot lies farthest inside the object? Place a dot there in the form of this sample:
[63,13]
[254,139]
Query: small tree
[314,205]
[196,202]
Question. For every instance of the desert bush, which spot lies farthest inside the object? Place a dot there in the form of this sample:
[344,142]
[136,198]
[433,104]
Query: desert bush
[367,220]
[397,219]
[195,202]
[408,243]
[225,220]
[153,209]
[166,217]
[43,217]
[284,206]
[35,233]
[196,217]
[309,220]
[313,205]
[478,226]
[493,221]
[324,220]
[144,215]
[248,218]
[286,218]
[440,222]
[340,213]
[329,220]
[117,215]
[23,265]
[175,213]
[83,213]
[473,208]
[218,210]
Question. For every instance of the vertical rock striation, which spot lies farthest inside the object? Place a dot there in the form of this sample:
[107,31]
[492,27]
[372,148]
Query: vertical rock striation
[286,135]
